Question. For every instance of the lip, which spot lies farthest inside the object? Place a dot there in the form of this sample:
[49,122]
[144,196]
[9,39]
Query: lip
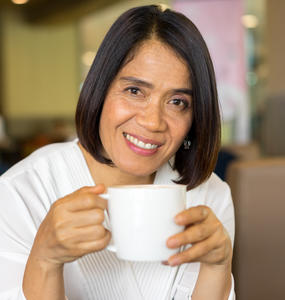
[141,151]
[145,140]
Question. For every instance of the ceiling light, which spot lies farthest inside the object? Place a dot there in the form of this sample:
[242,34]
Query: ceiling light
[249,21]
[164,6]
[87,58]
[19,1]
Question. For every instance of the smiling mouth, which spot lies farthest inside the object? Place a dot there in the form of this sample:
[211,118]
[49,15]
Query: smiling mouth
[139,143]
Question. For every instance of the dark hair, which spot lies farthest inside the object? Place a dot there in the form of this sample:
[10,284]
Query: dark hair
[174,29]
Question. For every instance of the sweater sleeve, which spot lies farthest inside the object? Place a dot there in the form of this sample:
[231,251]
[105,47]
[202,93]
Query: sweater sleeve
[220,201]
[18,227]
[215,194]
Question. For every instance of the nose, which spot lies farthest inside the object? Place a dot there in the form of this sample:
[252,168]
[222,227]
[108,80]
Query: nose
[152,118]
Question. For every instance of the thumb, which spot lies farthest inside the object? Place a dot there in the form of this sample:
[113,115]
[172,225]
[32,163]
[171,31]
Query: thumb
[98,189]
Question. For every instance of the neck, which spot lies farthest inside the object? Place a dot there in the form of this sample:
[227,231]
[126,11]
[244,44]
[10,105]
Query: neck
[111,175]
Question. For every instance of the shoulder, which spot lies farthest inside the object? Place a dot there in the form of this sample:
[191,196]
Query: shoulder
[32,185]
[210,189]
[215,186]
[214,193]
[37,159]
[45,175]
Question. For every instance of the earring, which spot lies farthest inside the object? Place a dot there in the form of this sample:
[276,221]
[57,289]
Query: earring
[187,144]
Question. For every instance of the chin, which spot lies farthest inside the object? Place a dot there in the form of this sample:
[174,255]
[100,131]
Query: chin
[137,171]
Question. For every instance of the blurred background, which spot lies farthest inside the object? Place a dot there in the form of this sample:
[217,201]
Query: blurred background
[47,47]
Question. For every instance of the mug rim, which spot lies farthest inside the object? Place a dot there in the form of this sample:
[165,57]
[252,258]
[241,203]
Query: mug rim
[148,186]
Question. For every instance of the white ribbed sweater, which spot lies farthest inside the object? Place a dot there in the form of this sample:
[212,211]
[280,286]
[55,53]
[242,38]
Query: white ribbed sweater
[27,191]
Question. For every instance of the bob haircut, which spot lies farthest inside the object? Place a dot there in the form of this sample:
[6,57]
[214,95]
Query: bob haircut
[132,28]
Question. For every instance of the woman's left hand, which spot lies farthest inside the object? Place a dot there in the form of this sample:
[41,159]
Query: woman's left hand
[211,244]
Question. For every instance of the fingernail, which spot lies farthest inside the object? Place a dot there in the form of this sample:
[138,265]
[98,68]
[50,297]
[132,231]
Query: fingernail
[172,243]
[178,219]
[174,261]
[165,262]
[205,212]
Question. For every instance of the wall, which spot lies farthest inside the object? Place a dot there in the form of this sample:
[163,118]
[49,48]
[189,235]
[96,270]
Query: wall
[94,26]
[39,69]
[219,22]
[275,46]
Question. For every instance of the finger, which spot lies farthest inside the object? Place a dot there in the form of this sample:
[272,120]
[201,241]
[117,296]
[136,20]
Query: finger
[194,253]
[84,218]
[193,234]
[96,245]
[192,215]
[86,198]
[89,234]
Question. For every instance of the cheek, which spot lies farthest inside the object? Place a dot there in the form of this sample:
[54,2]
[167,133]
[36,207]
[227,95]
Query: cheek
[115,113]
[108,113]
[105,121]
[181,129]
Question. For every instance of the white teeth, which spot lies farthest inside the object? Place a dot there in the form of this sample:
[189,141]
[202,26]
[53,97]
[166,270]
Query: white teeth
[139,143]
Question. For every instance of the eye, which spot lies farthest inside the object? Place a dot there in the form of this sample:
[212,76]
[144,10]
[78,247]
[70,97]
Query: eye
[180,103]
[133,90]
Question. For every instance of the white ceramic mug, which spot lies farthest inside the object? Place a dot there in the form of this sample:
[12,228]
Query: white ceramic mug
[142,219]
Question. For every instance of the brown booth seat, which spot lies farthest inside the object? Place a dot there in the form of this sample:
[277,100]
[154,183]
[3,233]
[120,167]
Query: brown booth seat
[258,189]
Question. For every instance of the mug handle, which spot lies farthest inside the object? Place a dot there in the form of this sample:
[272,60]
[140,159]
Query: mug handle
[111,247]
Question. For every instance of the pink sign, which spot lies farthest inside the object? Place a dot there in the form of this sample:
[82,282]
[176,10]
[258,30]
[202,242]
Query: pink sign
[219,21]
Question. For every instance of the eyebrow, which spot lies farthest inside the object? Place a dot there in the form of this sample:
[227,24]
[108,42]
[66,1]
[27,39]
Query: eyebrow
[151,86]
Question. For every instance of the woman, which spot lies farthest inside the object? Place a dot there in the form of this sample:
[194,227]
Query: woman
[147,114]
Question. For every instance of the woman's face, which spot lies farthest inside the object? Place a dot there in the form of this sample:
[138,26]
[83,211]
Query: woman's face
[147,111]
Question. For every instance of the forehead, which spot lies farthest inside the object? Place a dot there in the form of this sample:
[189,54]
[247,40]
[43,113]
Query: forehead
[154,59]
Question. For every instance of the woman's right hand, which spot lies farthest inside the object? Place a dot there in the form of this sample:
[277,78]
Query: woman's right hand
[72,228]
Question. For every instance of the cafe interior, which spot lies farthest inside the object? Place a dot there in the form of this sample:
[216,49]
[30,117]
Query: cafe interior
[47,48]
